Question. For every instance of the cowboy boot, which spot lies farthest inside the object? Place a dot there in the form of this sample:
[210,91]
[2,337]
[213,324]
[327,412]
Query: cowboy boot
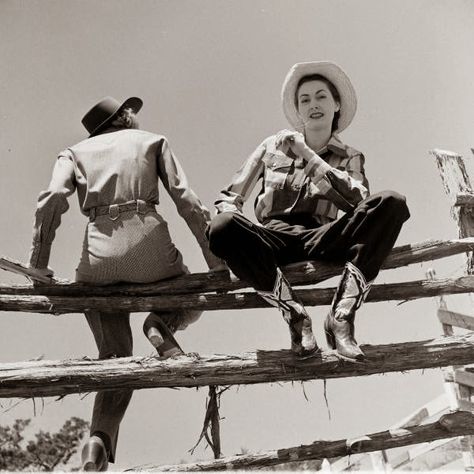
[339,324]
[282,297]
[161,336]
[94,455]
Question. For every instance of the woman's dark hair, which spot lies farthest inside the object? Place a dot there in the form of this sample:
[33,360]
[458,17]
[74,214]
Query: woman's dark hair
[332,89]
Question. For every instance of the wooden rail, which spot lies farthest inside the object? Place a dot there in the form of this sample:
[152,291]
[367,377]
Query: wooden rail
[448,426]
[222,301]
[303,273]
[53,378]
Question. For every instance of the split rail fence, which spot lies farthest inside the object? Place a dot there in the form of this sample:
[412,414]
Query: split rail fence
[218,291]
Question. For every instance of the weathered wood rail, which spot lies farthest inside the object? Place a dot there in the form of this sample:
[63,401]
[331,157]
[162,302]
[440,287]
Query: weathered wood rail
[217,291]
[222,301]
[459,423]
[298,274]
[53,378]
[209,291]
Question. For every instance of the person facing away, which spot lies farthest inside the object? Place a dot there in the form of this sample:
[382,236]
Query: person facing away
[115,172]
[314,204]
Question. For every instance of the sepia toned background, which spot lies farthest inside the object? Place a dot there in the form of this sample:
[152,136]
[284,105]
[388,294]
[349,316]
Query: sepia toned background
[210,73]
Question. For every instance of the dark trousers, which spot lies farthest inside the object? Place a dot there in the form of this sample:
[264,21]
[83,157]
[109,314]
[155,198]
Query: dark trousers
[113,336]
[364,237]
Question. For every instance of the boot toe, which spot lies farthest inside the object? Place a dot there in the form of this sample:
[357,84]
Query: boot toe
[357,355]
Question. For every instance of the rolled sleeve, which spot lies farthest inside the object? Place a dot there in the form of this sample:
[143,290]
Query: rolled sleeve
[316,168]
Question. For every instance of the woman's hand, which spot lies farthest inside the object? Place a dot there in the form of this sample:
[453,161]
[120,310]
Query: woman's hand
[290,139]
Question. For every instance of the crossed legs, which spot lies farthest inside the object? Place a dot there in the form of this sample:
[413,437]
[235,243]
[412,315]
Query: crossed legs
[362,238]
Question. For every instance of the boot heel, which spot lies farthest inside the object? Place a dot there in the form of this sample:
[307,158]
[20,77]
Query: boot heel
[330,338]
[155,337]
[163,341]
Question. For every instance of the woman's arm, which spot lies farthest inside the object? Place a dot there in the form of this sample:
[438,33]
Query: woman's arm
[232,198]
[345,188]
[52,203]
[189,206]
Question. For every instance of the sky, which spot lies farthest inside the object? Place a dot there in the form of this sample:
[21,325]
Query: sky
[210,73]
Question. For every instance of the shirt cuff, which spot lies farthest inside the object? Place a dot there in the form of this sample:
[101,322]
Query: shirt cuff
[316,168]
[227,207]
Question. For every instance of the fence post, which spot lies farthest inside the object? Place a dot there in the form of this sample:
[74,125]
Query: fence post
[458,187]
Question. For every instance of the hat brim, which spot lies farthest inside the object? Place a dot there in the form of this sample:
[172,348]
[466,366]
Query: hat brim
[134,103]
[334,74]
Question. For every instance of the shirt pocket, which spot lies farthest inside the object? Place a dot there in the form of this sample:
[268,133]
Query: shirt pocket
[277,167]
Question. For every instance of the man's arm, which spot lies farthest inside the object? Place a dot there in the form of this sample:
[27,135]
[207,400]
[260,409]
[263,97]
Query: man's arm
[52,203]
[189,206]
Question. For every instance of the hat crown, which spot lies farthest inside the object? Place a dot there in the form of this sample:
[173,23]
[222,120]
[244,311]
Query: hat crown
[100,113]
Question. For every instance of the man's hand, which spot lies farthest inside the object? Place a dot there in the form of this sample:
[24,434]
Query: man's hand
[45,275]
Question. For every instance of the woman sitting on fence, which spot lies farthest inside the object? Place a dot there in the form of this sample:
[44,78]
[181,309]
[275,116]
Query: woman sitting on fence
[116,172]
[309,175]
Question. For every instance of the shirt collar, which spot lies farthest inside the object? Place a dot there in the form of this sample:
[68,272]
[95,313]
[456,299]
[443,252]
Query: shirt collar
[336,146]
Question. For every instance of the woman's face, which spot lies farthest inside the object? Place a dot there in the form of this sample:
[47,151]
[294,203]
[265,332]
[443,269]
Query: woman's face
[316,105]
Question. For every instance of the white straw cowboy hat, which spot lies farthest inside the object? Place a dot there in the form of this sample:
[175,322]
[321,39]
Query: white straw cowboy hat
[334,74]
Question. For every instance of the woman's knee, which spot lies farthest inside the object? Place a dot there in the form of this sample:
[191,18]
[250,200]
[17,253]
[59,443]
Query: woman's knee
[221,229]
[221,223]
[395,204]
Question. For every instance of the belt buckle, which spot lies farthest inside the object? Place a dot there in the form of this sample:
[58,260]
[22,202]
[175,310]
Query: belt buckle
[141,206]
[114,212]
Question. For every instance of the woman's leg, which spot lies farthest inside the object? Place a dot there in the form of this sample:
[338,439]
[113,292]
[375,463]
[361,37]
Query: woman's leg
[251,252]
[362,239]
[364,236]
[113,337]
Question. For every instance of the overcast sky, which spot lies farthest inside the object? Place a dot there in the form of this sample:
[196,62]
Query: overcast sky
[210,74]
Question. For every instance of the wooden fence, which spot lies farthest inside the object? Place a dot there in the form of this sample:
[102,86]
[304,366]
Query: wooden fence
[217,291]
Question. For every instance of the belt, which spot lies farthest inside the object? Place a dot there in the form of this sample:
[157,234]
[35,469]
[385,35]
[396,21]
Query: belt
[114,210]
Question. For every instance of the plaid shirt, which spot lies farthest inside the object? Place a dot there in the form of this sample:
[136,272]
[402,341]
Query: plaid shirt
[291,185]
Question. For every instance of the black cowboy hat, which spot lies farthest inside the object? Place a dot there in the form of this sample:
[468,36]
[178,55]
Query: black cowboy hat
[105,111]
